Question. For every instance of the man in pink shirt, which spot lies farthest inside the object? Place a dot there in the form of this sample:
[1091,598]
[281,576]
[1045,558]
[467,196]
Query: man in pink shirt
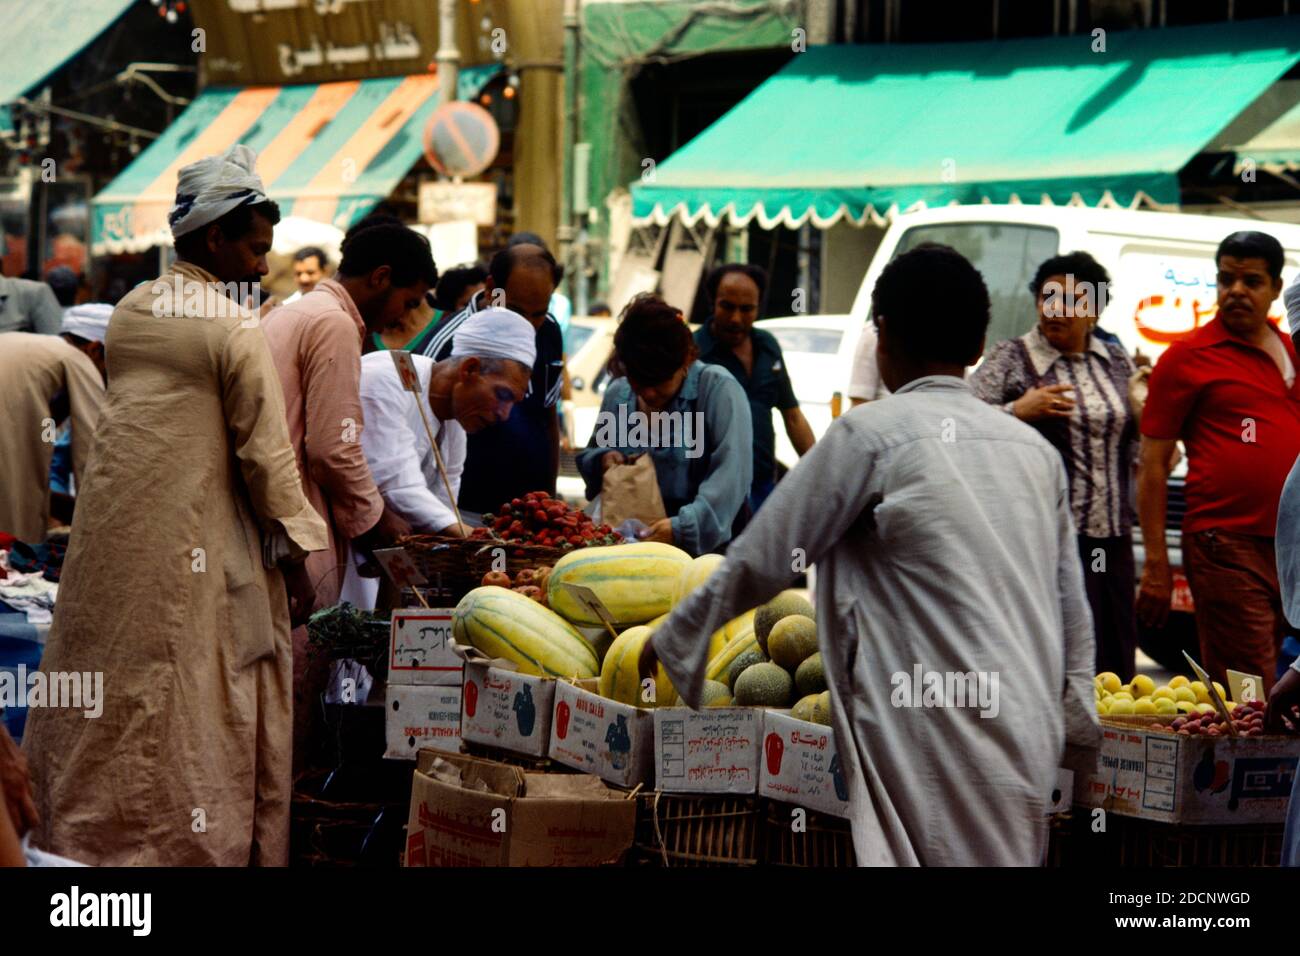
[316,344]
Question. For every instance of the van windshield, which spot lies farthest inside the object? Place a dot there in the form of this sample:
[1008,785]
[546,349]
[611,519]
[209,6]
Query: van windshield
[1007,255]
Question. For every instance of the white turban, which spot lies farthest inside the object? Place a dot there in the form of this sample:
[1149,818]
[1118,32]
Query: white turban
[212,187]
[496,333]
[89,321]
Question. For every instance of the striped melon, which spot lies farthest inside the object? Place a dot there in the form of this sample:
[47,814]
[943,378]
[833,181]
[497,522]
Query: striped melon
[620,678]
[695,574]
[729,631]
[720,662]
[504,623]
[634,581]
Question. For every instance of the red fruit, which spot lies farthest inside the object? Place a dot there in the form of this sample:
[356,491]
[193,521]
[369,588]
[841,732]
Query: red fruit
[539,516]
[1178,722]
[575,540]
[1255,732]
[1212,732]
[496,579]
[515,502]
[526,576]
[1193,729]
[1184,731]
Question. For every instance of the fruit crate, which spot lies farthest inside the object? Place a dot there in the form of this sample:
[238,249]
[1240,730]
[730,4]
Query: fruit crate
[680,830]
[827,841]
[1134,842]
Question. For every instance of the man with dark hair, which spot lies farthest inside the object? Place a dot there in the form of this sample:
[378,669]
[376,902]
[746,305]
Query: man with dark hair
[63,282]
[457,286]
[508,460]
[945,553]
[317,343]
[44,379]
[27,306]
[753,356]
[173,587]
[309,265]
[1229,392]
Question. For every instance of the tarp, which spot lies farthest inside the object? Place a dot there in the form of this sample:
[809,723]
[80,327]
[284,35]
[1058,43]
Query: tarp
[39,37]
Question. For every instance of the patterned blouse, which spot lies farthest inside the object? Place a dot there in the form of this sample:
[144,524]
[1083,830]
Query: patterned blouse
[1098,442]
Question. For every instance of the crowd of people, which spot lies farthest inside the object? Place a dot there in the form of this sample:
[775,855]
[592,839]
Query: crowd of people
[236,469]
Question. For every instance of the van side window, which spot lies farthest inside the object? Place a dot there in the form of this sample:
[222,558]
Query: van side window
[1006,255]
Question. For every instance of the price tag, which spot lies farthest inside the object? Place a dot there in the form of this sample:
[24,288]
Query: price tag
[406,369]
[587,598]
[1245,687]
[398,566]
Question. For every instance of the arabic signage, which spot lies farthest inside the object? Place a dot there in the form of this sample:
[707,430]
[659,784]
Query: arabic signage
[275,42]
[442,201]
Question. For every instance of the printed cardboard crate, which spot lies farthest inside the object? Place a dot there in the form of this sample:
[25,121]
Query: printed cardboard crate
[470,812]
[600,736]
[507,710]
[1146,771]
[715,750]
[419,716]
[697,831]
[799,764]
[421,649]
[1135,842]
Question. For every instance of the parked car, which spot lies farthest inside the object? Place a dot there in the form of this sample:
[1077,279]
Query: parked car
[1163,287]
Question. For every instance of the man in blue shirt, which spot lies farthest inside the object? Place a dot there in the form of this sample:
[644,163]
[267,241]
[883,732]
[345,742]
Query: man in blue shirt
[753,356]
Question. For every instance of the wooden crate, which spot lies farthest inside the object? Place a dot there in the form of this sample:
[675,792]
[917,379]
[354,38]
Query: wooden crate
[1134,842]
[826,841]
[682,830]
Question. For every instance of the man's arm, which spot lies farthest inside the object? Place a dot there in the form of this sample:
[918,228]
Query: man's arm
[1082,732]
[706,521]
[334,422]
[800,432]
[1156,589]
[85,399]
[807,515]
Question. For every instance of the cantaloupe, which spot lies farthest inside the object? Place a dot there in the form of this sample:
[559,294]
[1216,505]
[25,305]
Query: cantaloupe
[792,641]
[716,694]
[763,685]
[620,677]
[821,712]
[503,623]
[783,605]
[803,710]
[741,663]
[635,582]
[810,678]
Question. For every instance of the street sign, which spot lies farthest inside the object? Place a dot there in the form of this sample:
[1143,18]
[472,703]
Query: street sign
[461,139]
[442,201]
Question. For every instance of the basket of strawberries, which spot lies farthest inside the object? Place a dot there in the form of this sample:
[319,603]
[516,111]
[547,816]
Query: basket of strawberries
[525,533]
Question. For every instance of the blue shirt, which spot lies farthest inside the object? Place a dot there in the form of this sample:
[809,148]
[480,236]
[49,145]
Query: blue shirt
[704,476]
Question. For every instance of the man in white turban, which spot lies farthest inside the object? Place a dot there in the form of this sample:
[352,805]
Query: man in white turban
[44,381]
[189,523]
[478,386]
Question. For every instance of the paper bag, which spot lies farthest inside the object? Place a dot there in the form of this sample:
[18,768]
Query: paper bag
[631,491]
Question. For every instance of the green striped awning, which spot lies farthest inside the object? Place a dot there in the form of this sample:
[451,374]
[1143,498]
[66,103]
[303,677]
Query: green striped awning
[857,131]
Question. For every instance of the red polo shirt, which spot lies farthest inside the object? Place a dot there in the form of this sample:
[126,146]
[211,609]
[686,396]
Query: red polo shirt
[1229,404]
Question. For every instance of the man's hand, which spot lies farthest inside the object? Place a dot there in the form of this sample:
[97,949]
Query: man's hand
[1283,700]
[661,531]
[16,785]
[1155,593]
[610,459]
[1050,401]
[648,663]
[454,531]
[302,595]
[385,532]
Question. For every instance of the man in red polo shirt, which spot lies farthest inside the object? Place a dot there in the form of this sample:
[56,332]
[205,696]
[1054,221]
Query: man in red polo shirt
[1229,391]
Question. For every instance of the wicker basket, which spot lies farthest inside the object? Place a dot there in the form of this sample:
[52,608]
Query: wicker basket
[457,565]
[343,833]
[1134,842]
[826,842]
[679,830]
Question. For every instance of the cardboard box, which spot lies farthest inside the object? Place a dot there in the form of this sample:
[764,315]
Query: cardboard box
[420,648]
[1156,775]
[502,708]
[418,716]
[466,811]
[600,736]
[714,750]
[799,764]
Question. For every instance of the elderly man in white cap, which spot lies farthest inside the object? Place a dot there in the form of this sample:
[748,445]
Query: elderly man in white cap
[478,386]
[45,380]
[174,587]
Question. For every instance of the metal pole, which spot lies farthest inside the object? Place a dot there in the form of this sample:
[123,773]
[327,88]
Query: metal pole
[565,233]
[448,55]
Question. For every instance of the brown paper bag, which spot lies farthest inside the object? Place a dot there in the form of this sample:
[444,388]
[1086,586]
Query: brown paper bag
[631,491]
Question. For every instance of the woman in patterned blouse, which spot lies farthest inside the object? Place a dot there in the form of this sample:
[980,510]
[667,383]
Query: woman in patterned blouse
[1071,384]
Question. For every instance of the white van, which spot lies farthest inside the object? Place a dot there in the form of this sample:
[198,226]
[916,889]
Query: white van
[1163,286]
[1161,265]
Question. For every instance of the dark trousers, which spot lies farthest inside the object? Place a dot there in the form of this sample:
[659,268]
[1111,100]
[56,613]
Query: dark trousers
[1238,603]
[1108,578]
